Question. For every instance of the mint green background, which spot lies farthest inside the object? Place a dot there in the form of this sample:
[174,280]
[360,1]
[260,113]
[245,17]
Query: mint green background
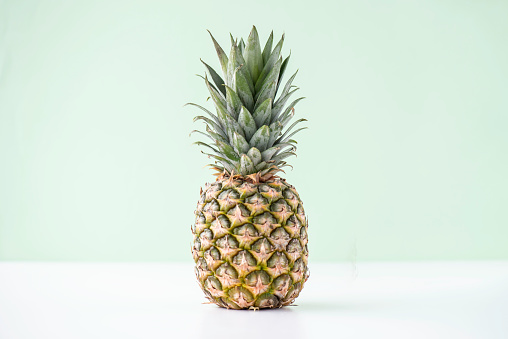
[405,158]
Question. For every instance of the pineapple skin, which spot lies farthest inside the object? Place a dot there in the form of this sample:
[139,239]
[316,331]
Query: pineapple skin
[250,243]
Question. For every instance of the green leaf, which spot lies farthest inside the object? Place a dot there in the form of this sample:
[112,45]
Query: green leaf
[266,93]
[237,62]
[269,65]
[234,104]
[282,156]
[216,97]
[214,117]
[220,105]
[287,111]
[216,136]
[202,133]
[244,70]
[263,113]
[255,155]
[282,71]
[246,165]
[272,78]
[260,138]
[279,104]
[289,129]
[262,166]
[282,164]
[253,57]
[200,143]
[266,170]
[247,123]
[275,129]
[289,136]
[240,144]
[243,90]
[241,45]
[233,126]
[285,92]
[225,162]
[203,77]
[268,48]
[216,78]
[267,154]
[233,40]
[233,63]
[285,145]
[227,122]
[223,59]
[288,84]
[210,122]
[227,150]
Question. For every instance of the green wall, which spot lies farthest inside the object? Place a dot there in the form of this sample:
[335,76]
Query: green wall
[405,158]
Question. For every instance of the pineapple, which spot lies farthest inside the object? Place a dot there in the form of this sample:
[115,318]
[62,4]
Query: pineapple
[250,234]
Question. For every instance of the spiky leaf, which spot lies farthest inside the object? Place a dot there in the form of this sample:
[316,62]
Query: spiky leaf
[255,155]
[253,56]
[214,117]
[227,150]
[262,166]
[269,65]
[287,111]
[214,93]
[260,138]
[266,93]
[285,93]
[218,158]
[246,165]
[216,136]
[282,71]
[246,121]
[223,59]
[263,113]
[234,103]
[243,90]
[240,144]
[210,122]
[275,129]
[233,126]
[286,138]
[233,62]
[283,146]
[272,78]
[245,71]
[200,143]
[202,133]
[279,104]
[267,154]
[247,127]
[289,129]
[283,155]
[268,48]
[241,45]
[217,79]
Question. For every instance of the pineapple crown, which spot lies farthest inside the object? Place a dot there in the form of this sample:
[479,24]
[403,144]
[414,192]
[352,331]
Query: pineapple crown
[247,133]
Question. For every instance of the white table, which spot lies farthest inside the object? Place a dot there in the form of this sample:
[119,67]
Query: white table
[149,300]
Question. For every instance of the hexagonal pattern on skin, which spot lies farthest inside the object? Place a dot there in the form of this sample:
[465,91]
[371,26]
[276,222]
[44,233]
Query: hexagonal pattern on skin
[250,244]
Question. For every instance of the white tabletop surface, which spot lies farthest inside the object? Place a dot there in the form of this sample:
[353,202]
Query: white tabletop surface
[147,300]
